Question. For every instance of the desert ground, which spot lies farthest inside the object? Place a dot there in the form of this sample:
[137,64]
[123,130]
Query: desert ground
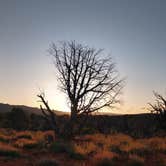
[35,148]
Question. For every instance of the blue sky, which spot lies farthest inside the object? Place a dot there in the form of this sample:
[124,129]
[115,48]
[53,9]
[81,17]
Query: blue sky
[133,31]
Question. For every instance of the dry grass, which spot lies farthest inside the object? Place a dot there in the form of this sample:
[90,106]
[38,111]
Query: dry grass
[8,151]
[94,147]
[23,143]
[86,148]
[7,147]
[123,147]
[23,139]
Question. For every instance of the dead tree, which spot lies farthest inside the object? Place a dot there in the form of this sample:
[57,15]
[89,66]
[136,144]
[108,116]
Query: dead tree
[49,114]
[87,76]
[159,108]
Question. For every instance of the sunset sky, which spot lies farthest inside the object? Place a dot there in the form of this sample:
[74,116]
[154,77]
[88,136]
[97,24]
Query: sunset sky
[132,31]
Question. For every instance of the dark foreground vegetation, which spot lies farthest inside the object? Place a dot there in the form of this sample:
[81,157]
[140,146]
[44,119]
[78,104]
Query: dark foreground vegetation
[138,126]
[28,139]
[35,148]
[135,140]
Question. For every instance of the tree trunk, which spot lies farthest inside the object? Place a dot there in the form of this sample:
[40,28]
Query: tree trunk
[73,119]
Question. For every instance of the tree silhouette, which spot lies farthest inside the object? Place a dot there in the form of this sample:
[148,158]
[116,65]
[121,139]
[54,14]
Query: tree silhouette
[87,76]
[18,120]
[49,114]
[159,108]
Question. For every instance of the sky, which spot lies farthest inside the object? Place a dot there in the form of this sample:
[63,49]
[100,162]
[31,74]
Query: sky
[132,31]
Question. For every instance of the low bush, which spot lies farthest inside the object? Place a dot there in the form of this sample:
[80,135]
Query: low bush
[105,162]
[141,152]
[8,150]
[47,162]
[27,144]
[116,149]
[135,163]
[88,130]
[76,156]
[86,148]
[9,153]
[62,147]
[31,145]
[24,136]
[4,139]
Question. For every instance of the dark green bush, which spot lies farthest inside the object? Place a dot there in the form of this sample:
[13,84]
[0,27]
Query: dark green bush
[116,149]
[141,152]
[47,162]
[88,130]
[31,146]
[76,156]
[105,162]
[2,139]
[9,153]
[135,163]
[62,147]
[17,119]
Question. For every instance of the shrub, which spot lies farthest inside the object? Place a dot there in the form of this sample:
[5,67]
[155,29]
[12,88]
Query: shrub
[47,162]
[135,163]
[76,156]
[31,145]
[62,147]
[9,153]
[88,130]
[25,136]
[4,139]
[26,143]
[160,161]
[141,152]
[18,120]
[104,154]
[116,149]
[105,162]
[86,148]
[159,109]
[7,150]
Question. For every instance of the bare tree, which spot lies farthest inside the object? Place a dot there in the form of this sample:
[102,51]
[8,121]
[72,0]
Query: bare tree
[159,108]
[87,76]
[49,114]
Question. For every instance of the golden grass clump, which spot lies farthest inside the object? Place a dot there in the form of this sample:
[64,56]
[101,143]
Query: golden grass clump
[113,139]
[104,154]
[106,141]
[103,158]
[4,138]
[49,132]
[85,148]
[4,146]
[156,143]
[136,158]
[23,133]
[21,143]
[130,145]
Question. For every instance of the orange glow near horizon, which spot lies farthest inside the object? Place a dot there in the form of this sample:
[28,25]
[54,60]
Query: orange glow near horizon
[58,101]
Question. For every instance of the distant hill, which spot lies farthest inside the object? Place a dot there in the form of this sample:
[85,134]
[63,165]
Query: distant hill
[106,113]
[7,108]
